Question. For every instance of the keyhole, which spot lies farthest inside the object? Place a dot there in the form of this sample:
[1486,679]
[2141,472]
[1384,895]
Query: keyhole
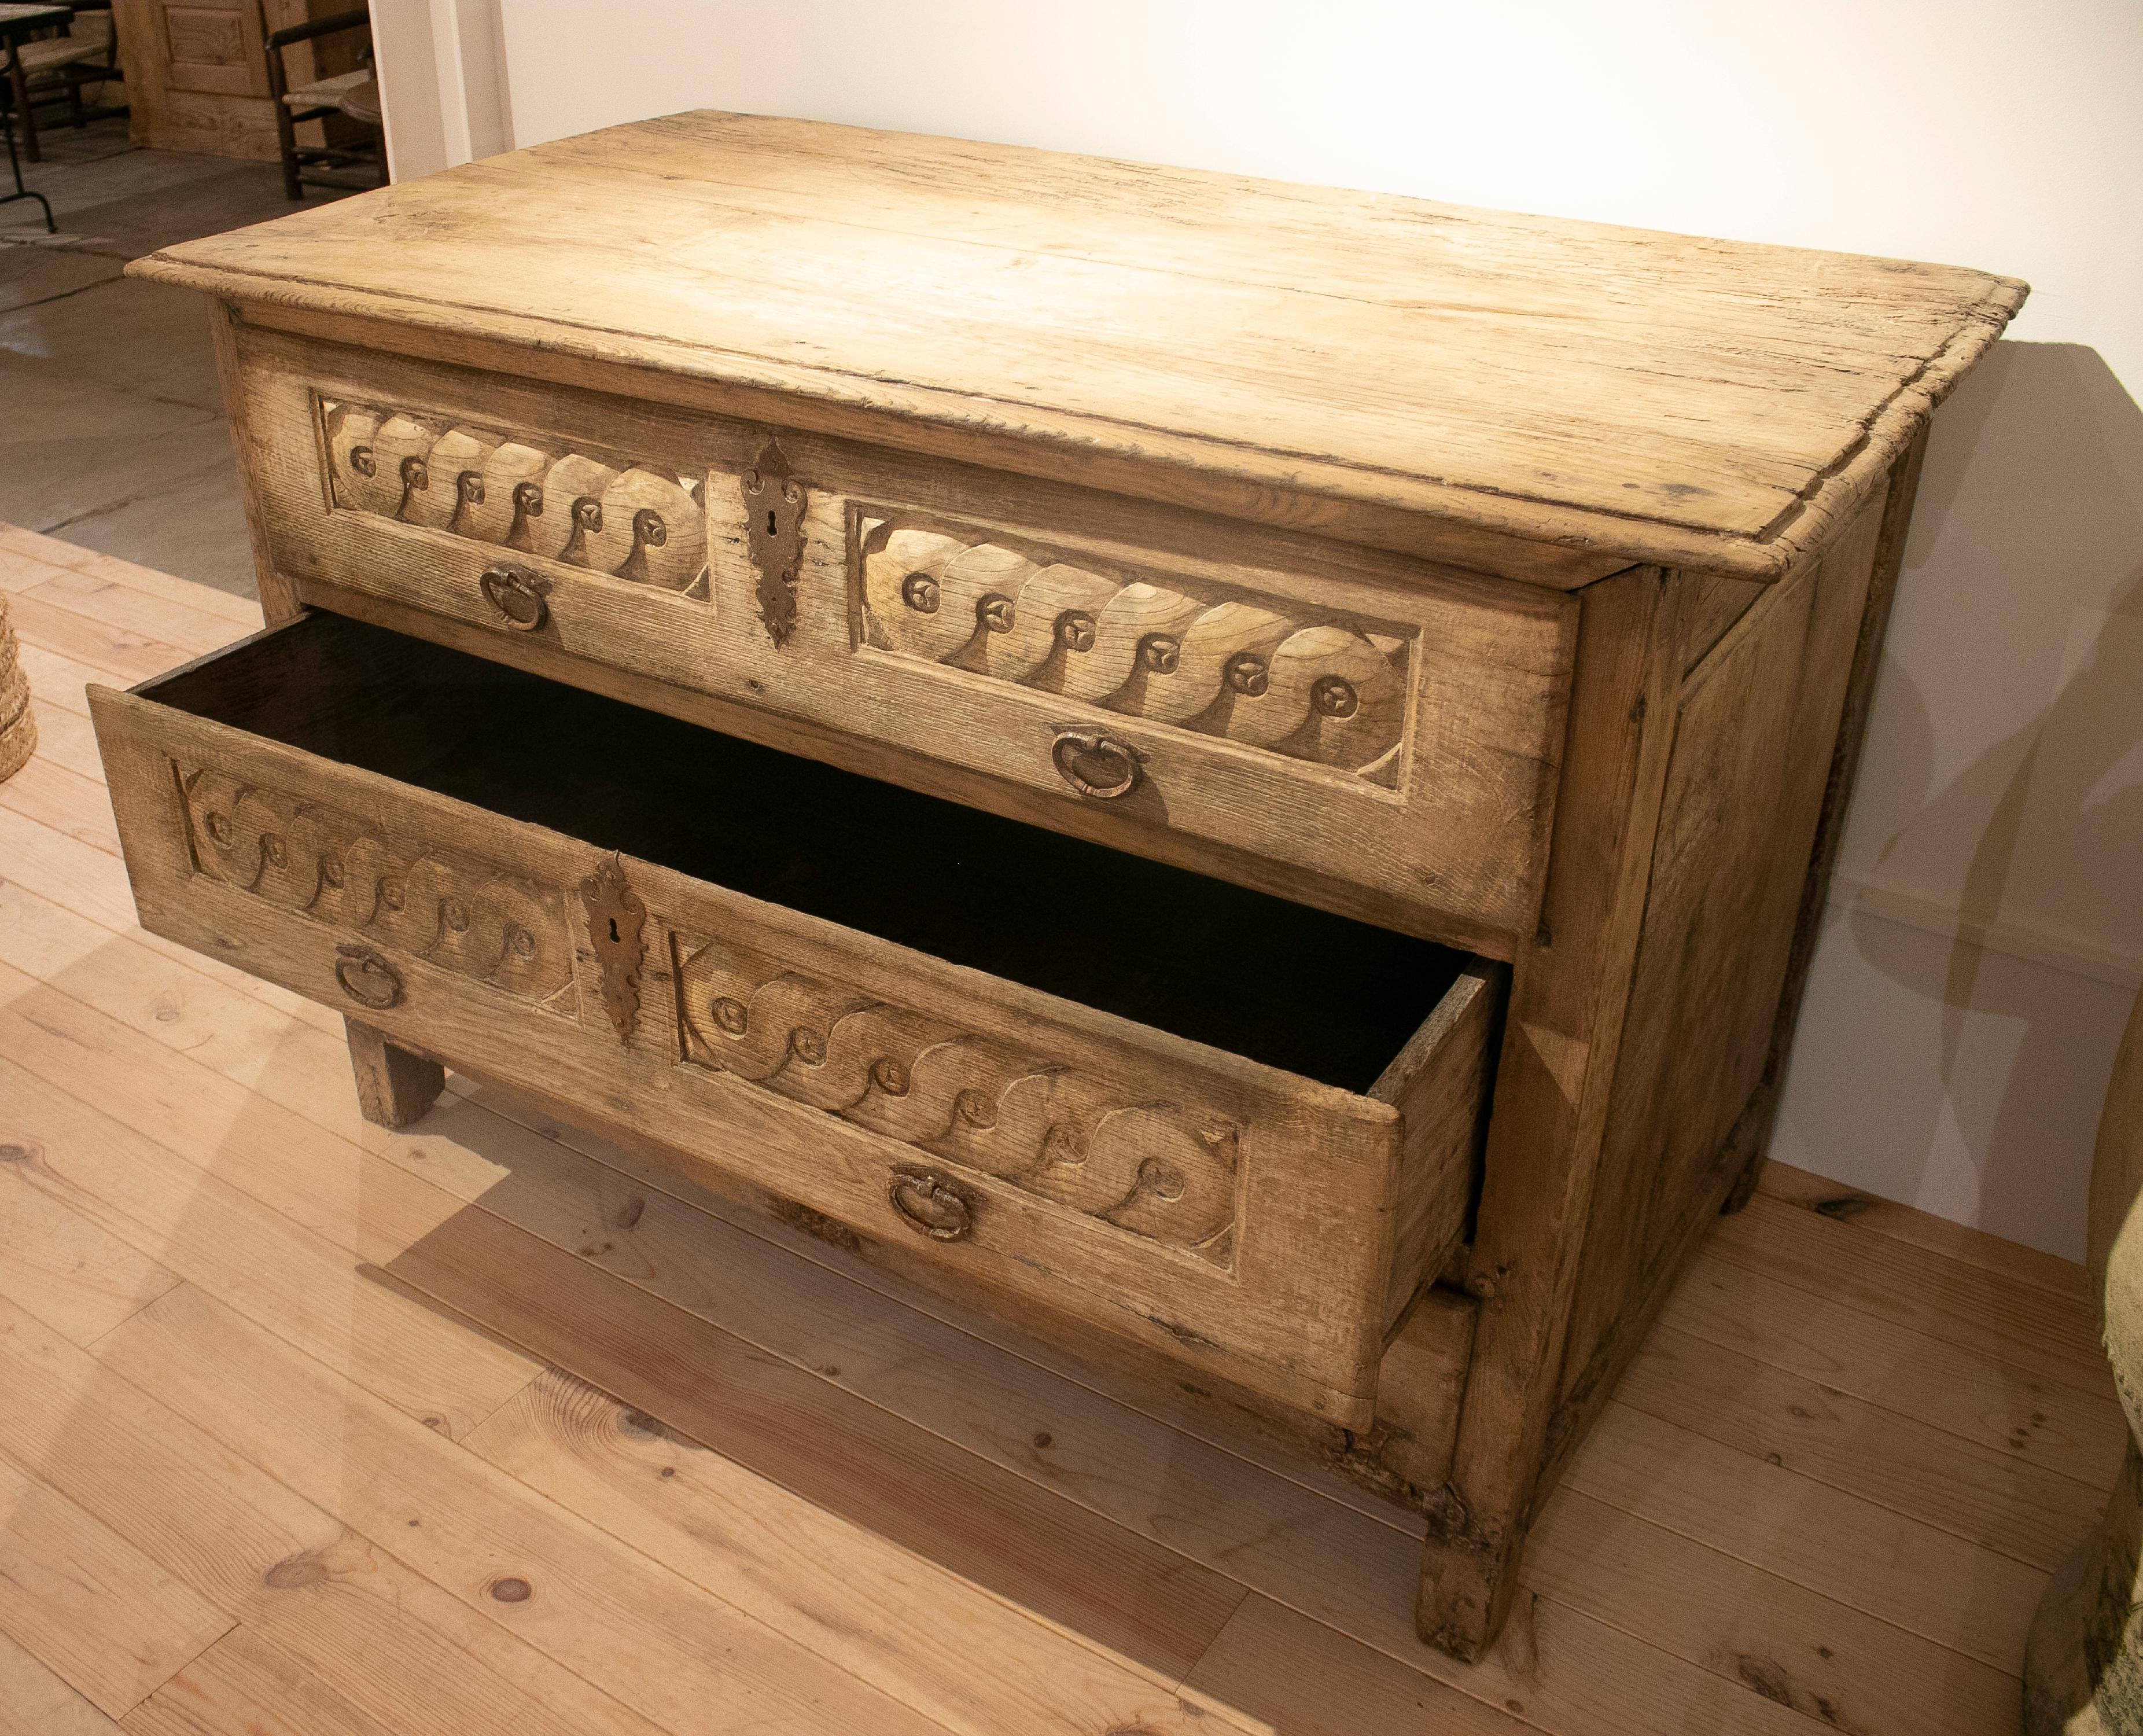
[613,930]
[769,521]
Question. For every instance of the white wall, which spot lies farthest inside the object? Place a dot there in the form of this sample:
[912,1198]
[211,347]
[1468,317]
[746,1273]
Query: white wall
[1986,936]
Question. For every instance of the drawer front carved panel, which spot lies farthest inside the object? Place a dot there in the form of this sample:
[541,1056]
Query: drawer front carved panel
[641,521]
[467,916]
[1159,1169]
[1269,674]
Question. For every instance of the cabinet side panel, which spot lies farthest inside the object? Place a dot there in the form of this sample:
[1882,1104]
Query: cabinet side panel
[1744,788]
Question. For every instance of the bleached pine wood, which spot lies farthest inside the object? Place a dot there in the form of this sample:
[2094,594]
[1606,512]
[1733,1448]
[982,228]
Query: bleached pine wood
[1722,470]
[243,1686]
[420,1659]
[92,1608]
[1763,1639]
[1463,356]
[34,1702]
[630,1626]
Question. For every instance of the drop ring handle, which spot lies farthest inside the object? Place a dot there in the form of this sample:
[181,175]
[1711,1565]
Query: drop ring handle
[517,595]
[930,1204]
[1094,765]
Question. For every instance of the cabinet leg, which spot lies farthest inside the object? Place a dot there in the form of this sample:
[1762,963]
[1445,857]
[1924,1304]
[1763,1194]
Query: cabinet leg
[393,1086]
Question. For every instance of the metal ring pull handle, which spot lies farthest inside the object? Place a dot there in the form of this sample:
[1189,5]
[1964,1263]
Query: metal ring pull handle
[517,595]
[1095,764]
[929,1203]
[367,978]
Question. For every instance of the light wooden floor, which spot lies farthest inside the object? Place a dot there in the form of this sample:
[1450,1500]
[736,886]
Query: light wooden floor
[258,1475]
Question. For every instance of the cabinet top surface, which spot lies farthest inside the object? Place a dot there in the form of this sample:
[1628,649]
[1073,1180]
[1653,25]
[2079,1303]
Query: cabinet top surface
[1618,391]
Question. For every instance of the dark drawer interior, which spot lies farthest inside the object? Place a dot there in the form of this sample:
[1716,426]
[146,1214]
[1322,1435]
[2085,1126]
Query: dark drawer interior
[1317,994]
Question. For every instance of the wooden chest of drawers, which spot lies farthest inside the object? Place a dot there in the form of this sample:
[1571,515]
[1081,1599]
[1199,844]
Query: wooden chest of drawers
[1240,774]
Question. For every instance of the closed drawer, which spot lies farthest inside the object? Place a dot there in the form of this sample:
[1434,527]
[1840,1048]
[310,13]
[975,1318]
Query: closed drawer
[1353,729]
[1239,1131]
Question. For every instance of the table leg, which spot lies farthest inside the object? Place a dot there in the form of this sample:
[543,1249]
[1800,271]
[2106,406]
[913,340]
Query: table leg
[21,81]
[14,164]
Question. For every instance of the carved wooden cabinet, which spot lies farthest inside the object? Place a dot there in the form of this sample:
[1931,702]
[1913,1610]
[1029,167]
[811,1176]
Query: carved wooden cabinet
[1239,775]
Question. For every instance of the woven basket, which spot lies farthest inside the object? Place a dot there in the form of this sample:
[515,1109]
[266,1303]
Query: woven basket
[18,726]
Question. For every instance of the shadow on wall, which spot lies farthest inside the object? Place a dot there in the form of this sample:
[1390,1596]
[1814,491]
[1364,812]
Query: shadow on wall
[2004,783]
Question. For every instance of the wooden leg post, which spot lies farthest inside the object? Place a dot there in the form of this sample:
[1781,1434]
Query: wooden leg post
[1551,1106]
[393,1086]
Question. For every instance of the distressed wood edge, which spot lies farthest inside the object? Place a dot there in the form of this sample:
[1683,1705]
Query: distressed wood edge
[1546,543]
[1569,995]
[395,1085]
[278,596]
[1837,792]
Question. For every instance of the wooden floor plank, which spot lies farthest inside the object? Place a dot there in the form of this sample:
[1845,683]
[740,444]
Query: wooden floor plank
[1996,1404]
[2011,1260]
[57,680]
[65,739]
[194,630]
[1259,1529]
[19,545]
[253,1045]
[1276,1669]
[95,1611]
[1847,1548]
[912,1301]
[420,1660]
[682,1658]
[243,1686]
[1988,1497]
[1850,1670]
[124,655]
[1085,1573]
[34,1702]
[275,1271]
[66,801]
[1911,1286]
[74,1275]
[743,1537]
[92,883]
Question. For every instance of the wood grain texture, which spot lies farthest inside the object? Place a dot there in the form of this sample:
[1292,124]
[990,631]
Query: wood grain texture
[1865,1212]
[1752,736]
[1128,1595]
[1631,1627]
[34,1702]
[244,1686]
[394,1088]
[1454,750]
[416,1656]
[1472,367]
[233,1246]
[94,1609]
[1568,996]
[1278,1319]
[632,1627]
[1018,1664]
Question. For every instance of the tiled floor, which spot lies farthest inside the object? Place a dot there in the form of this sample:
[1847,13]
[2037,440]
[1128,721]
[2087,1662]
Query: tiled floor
[112,431]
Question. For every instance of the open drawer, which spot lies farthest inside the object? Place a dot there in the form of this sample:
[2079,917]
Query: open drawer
[1088,1087]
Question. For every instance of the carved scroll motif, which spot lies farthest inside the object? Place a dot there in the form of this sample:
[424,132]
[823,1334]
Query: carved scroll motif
[642,522]
[467,916]
[1319,688]
[1156,1168]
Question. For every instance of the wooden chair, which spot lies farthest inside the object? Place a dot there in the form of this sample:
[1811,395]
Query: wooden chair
[51,68]
[320,99]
